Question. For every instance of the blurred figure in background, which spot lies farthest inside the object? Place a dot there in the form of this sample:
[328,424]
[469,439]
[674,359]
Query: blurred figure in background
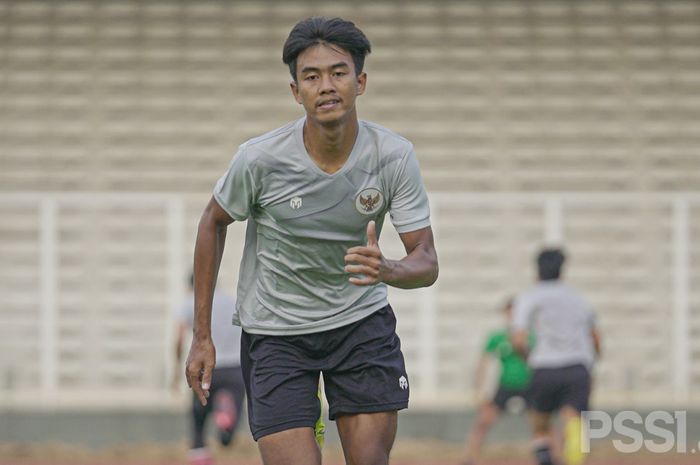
[568,343]
[513,385]
[227,389]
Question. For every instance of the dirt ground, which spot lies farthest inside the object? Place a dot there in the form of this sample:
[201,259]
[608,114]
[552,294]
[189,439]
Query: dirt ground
[245,453]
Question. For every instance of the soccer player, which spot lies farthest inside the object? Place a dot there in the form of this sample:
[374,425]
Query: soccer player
[514,383]
[568,343]
[227,386]
[312,292]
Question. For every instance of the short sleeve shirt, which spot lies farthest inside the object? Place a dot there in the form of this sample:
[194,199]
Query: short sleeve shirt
[562,322]
[515,373]
[302,220]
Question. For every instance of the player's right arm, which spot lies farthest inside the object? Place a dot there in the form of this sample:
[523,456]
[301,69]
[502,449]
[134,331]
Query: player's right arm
[520,326]
[208,250]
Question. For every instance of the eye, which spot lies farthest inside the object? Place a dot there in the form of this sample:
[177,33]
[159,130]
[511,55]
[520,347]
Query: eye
[310,77]
[340,73]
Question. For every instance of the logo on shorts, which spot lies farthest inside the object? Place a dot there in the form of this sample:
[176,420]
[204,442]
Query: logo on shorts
[403,383]
[369,201]
[295,203]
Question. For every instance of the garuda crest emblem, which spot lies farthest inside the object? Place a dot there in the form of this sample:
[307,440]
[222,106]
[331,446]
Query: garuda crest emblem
[369,201]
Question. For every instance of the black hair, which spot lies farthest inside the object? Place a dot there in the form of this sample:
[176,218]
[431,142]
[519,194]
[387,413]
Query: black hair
[549,263]
[322,30]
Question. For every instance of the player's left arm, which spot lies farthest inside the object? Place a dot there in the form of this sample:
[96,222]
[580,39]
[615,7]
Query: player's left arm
[179,345]
[419,268]
[595,336]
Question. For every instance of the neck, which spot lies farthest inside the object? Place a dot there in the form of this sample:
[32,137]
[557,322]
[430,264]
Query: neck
[330,146]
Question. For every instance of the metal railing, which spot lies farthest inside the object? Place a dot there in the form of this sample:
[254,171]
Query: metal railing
[424,318]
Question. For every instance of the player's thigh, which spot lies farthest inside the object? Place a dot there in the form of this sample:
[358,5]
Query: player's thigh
[228,388]
[282,391]
[367,372]
[230,379]
[577,390]
[367,438]
[488,414]
[546,390]
[540,422]
[296,446]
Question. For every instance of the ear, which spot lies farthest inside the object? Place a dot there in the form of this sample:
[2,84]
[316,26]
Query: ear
[295,91]
[361,83]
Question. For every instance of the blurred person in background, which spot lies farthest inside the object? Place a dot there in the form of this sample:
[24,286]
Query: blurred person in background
[227,387]
[312,293]
[568,344]
[513,385]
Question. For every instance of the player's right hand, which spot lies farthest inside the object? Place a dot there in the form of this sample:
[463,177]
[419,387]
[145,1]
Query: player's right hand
[199,367]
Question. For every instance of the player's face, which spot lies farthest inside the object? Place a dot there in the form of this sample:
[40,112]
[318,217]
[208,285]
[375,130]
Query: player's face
[327,84]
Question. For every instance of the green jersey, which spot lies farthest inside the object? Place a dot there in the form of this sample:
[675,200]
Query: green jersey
[515,373]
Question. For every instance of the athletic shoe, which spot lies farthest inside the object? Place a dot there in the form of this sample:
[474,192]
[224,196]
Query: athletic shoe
[200,456]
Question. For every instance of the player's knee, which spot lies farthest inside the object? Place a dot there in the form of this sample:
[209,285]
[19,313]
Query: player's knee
[368,456]
[485,422]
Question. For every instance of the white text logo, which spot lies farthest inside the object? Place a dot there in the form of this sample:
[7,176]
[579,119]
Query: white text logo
[663,431]
[295,203]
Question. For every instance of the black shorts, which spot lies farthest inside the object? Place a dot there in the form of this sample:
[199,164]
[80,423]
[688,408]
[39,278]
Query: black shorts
[362,365]
[503,395]
[554,388]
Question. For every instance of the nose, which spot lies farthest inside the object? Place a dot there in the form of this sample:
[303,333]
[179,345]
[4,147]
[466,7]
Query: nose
[327,85]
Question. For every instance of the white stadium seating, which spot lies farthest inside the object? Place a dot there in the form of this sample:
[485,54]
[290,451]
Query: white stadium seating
[534,122]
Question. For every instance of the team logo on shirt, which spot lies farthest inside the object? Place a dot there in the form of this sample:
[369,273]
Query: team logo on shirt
[369,201]
[295,203]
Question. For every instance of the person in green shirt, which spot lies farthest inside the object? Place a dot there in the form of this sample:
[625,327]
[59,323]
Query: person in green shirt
[514,382]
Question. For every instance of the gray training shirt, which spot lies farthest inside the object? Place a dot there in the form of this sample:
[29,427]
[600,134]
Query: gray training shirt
[562,322]
[302,220]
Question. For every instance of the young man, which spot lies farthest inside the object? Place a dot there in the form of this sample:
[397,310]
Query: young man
[312,294]
[227,388]
[514,383]
[568,343]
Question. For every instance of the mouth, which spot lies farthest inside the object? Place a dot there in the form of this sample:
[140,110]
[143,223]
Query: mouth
[328,104]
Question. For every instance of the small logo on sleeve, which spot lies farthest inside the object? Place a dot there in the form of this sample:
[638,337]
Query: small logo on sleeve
[403,383]
[369,201]
[295,203]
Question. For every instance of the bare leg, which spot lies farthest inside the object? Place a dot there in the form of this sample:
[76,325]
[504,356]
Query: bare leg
[487,416]
[556,442]
[367,438]
[295,446]
[541,437]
